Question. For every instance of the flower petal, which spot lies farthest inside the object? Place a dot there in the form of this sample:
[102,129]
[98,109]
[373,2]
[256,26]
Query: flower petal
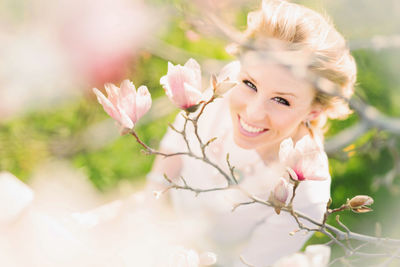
[143,101]
[177,76]
[193,95]
[230,72]
[196,72]
[315,166]
[224,87]
[281,191]
[166,87]
[306,145]
[125,120]
[112,93]
[127,99]
[285,149]
[107,105]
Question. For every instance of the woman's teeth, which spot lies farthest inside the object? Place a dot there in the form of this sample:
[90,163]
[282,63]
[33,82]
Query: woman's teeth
[249,128]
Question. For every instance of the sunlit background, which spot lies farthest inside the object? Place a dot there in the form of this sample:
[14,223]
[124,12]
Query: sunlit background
[56,137]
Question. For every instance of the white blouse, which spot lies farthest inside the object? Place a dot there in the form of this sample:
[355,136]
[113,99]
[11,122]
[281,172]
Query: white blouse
[253,231]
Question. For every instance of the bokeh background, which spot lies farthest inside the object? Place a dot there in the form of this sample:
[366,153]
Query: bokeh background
[52,53]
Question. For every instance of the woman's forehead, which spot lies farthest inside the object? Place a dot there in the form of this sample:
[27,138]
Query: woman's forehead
[265,72]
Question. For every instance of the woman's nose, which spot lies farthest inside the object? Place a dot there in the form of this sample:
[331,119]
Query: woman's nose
[256,110]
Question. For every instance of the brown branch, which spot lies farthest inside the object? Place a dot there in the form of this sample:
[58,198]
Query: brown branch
[231,169]
[150,150]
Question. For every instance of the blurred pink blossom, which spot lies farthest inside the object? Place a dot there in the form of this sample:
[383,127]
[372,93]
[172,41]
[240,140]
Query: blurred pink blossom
[102,37]
[305,161]
[124,104]
[192,36]
[182,84]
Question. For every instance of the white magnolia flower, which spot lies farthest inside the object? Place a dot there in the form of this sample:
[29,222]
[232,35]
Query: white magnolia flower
[314,256]
[306,160]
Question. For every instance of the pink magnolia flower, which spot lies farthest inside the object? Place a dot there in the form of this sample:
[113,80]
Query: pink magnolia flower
[182,84]
[124,104]
[279,195]
[305,161]
[101,38]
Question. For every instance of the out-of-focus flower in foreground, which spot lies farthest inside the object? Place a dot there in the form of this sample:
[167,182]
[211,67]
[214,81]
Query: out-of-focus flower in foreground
[124,104]
[103,37]
[182,257]
[15,197]
[182,84]
[314,256]
[279,195]
[305,160]
[208,258]
[359,203]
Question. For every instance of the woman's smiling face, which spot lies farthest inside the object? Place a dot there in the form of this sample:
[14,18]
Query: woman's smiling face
[269,105]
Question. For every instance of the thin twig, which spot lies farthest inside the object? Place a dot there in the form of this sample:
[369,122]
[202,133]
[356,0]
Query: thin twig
[231,169]
[242,204]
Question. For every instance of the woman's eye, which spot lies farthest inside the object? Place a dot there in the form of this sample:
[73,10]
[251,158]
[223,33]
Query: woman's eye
[250,84]
[281,100]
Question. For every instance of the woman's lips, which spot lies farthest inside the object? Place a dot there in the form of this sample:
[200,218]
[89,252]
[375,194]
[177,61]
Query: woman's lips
[248,130]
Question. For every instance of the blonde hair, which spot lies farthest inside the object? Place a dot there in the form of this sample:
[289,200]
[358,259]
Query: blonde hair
[309,30]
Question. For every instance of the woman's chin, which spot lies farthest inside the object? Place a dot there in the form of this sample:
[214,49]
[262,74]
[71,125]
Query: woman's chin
[243,143]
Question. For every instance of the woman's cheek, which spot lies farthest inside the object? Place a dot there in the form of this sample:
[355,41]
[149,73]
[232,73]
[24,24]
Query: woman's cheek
[281,118]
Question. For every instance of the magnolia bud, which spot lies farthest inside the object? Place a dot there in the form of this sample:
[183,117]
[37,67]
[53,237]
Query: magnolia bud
[279,195]
[361,200]
[281,191]
[224,86]
[358,204]
[214,81]
[292,174]
[361,209]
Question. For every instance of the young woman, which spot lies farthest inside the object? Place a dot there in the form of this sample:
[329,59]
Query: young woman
[270,104]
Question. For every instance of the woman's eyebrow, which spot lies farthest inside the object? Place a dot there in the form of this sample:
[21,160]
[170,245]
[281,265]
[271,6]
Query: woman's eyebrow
[284,93]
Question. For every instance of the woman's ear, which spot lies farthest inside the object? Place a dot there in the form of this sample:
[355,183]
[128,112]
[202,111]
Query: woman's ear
[315,111]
